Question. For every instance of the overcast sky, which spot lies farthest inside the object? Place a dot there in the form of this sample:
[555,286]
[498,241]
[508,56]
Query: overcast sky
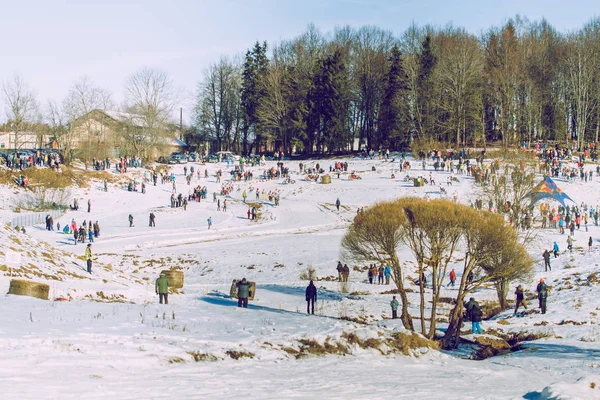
[51,43]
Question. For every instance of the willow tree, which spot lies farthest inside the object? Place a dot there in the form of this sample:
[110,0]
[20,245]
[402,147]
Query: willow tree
[432,231]
[375,236]
[490,246]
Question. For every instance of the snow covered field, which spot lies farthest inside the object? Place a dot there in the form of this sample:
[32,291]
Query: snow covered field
[113,339]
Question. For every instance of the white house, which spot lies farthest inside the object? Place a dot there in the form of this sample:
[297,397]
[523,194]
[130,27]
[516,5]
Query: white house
[25,140]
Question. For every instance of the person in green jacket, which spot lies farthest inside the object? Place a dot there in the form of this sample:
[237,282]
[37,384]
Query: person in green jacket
[394,303]
[162,288]
[243,292]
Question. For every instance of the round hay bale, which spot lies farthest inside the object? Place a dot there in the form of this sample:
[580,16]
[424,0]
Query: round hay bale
[175,277]
[325,179]
[28,288]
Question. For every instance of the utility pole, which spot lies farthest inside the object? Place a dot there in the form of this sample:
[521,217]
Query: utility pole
[181,123]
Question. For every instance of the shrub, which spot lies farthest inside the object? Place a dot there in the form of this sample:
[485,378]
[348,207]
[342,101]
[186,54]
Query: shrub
[308,274]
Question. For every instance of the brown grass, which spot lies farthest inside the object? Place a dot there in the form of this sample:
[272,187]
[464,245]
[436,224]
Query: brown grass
[236,355]
[201,357]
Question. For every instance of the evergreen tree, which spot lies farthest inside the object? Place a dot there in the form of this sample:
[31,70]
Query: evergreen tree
[425,90]
[255,69]
[393,115]
[329,104]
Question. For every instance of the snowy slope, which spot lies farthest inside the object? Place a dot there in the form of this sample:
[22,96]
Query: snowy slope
[122,343]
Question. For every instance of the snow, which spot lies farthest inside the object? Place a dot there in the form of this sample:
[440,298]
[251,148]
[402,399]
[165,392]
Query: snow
[113,339]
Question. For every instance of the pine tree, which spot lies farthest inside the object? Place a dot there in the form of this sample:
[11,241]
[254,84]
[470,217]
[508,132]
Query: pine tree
[425,90]
[393,115]
[255,68]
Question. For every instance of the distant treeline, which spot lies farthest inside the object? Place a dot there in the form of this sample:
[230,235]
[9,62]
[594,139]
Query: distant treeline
[317,93]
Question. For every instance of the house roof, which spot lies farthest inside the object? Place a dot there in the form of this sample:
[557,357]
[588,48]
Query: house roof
[175,142]
[129,118]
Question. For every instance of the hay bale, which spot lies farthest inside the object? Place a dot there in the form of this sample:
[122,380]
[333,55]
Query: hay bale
[28,288]
[325,179]
[175,277]
[233,290]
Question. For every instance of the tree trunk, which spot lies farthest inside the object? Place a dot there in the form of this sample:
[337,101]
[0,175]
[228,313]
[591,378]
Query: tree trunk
[405,316]
[502,291]
[422,299]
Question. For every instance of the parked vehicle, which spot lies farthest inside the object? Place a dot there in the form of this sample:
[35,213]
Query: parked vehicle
[223,156]
[178,159]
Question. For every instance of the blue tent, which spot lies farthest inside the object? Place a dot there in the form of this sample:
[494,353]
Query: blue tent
[548,189]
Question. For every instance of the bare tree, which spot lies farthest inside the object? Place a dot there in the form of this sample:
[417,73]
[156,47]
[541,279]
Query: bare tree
[150,98]
[57,121]
[21,107]
[217,104]
[582,72]
[460,69]
[83,98]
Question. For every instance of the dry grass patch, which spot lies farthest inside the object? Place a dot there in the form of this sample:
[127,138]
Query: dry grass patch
[313,347]
[236,355]
[202,357]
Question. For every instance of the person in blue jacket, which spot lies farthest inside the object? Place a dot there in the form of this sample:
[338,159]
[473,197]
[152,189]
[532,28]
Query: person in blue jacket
[555,249]
[387,271]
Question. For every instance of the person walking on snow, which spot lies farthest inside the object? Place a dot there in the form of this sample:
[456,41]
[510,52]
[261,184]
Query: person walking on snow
[151,220]
[339,269]
[88,257]
[546,255]
[394,304]
[337,204]
[555,249]
[244,196]
[311,297]
[452,277]
[520,299]
[570,243]
[590,243]
[130,220]
[89,205]
[209,221]
[249,213]
[162,288]
[542,290]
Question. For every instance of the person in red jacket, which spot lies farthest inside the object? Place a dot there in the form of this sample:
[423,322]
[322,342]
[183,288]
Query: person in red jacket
[452,278]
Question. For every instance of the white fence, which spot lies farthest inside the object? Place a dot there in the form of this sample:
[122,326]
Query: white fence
[30,219]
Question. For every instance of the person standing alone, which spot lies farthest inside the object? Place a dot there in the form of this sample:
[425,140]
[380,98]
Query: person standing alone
[311,297]
[88,257]
[162,288]
[243,287]
[394,305]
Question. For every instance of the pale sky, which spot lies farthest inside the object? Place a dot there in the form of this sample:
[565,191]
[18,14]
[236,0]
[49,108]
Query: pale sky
[52,43]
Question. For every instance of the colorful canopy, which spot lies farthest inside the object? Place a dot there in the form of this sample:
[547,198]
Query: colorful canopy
[548,189]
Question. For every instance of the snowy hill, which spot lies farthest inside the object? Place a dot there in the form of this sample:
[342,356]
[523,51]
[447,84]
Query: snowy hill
[113,337]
